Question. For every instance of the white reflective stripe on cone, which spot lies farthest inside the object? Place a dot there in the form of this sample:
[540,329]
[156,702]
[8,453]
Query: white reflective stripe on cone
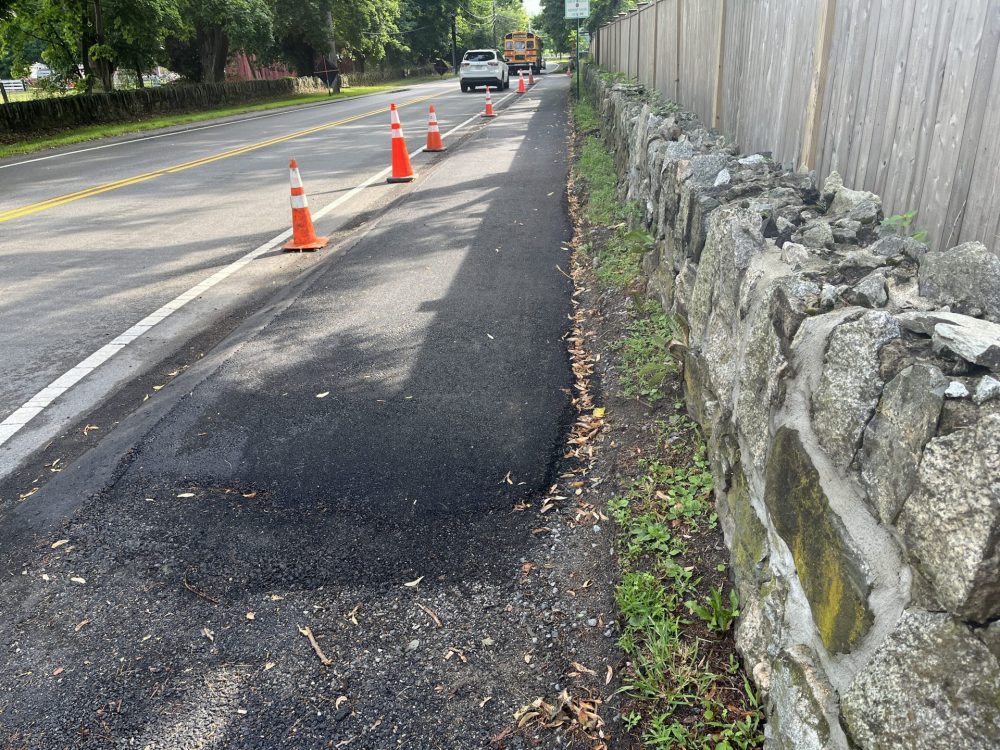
[394,117]
[299,201]
[397,132]
[295,178]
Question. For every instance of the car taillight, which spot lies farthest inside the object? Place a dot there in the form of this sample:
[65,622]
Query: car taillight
[493,63]
[466,65]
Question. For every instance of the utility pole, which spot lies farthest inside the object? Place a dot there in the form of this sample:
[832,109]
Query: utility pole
[495,23]
[332,83]
[577,57]
[454,43]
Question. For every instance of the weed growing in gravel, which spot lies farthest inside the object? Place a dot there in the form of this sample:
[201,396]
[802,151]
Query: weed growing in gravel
[598,171]
[617,262]
[646,358]
[685,703]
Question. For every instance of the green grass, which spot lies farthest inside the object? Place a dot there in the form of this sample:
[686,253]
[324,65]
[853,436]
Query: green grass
[646,359]
[685,700]
[93,132]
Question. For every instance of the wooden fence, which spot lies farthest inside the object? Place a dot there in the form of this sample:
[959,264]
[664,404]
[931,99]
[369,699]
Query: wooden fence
[902,97]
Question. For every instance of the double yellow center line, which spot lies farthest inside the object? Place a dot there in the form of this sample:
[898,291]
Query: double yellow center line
[15,213]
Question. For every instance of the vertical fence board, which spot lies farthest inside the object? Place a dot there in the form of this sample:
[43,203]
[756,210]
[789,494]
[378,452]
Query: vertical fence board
[646,18]
[699,41]
[980,149]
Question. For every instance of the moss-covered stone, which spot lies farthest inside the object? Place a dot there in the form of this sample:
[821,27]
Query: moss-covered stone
[749,537]
[833,579]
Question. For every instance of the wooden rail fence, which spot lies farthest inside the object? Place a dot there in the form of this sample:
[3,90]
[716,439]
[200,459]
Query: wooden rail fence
[902,97]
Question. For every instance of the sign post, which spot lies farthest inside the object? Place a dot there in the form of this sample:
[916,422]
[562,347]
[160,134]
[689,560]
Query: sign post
[577,9]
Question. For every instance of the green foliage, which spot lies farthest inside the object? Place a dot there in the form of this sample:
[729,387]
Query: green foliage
[557,31]
[714,611]
[641,599]
[902,224]
[683,707]
[646,359]
[602,11]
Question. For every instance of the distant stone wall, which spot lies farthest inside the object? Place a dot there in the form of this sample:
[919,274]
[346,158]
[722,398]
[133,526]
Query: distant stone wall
[847,380]
[59,113]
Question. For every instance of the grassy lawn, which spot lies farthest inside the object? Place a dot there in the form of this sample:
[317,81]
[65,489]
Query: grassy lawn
[93,132]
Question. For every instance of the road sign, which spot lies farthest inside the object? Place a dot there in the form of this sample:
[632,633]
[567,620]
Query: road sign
[577,8]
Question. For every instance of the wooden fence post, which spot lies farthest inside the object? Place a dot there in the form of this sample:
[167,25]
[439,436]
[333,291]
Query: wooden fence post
[719,59]
[817,85]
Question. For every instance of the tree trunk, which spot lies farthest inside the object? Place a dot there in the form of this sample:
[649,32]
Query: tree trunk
[3,93]
[213,49]
[86,39]
[105,68]
[138,76]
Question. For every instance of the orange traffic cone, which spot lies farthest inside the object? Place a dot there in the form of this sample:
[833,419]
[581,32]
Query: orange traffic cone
[520,81]
[489,105]
[531,77]
[401,169]
[303,235]
[434,142]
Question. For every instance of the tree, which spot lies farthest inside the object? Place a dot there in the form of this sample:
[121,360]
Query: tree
[96,35]
[303,31]
[602,11]
[553,27]
[211,29]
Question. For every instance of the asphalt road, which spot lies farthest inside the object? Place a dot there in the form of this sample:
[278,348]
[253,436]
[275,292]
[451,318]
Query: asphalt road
[369,425]
[93,239]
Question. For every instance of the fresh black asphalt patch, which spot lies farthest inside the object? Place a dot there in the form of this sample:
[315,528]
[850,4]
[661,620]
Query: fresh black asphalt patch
[316,544]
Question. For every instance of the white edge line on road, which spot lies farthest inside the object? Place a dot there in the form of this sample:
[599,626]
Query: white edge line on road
[37,403]
[280,111]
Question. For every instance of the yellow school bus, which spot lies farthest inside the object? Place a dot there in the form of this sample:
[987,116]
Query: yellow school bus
[523,50]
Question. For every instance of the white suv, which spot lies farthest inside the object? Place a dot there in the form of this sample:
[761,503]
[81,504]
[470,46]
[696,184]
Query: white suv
[483,67]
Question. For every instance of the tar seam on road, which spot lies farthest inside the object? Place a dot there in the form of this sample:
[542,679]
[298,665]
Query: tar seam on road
[15,213]
[37,403]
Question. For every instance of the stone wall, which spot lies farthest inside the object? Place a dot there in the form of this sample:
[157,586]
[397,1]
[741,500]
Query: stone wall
[59,113]
[847,381]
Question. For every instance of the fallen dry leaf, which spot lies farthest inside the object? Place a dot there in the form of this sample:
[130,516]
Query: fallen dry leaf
[353,615]
[611,673]
[90,428]
[269,665]
[324,394]
[210,634]
[58,671]
[414,583]
[485,700]
[580,668]
[78,579]
[29,493]
[599,412]
[81,625]
[251,615]
[186,494]
[60,543]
